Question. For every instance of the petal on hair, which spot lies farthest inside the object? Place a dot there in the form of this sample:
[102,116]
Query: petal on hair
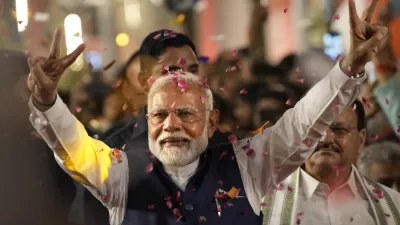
[181,62]
[157,36]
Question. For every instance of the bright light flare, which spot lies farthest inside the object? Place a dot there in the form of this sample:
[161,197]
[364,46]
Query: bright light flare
[73,38]
[21,14]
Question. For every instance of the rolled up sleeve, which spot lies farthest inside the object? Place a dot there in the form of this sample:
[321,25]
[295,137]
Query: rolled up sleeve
[269,157]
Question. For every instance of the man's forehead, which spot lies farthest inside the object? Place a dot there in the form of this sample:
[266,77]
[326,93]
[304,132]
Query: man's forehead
[347,117]
[171,93]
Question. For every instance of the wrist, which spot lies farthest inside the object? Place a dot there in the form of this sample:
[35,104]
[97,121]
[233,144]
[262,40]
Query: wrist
[42,106]
[351,68]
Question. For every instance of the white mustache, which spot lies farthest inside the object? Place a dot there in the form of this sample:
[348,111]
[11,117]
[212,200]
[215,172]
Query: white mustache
[166,135]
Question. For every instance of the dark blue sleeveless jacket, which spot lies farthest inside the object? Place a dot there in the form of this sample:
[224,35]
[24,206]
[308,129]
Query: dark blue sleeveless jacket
[149,193]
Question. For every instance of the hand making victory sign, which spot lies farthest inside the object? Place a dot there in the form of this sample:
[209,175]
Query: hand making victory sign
[366,39]
[45,73]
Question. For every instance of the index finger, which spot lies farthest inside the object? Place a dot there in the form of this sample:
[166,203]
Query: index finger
[354,19]
[369,11]
[55,45]
[67,60]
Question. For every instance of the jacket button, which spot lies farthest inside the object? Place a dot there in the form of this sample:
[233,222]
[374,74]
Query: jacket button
[189,207]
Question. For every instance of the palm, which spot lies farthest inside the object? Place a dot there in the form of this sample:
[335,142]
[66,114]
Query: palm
[46,72]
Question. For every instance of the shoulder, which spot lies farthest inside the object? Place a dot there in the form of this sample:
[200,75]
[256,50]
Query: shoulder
[219,138]
[119,137]
[394,195]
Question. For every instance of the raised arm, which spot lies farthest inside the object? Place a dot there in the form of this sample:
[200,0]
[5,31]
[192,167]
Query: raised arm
[269,157]
[89,161]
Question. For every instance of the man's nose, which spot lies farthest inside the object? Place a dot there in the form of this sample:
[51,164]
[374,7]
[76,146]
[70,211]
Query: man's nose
[328,137]
[172,123]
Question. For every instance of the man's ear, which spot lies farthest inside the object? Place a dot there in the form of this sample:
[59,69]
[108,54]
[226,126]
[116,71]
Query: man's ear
[213,122]
[363,137]
[142,77]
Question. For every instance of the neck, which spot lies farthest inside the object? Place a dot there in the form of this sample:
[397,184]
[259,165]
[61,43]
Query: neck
[332,177]
[182,170]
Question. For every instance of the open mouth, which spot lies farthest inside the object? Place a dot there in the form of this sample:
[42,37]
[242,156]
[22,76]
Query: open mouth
[174,141]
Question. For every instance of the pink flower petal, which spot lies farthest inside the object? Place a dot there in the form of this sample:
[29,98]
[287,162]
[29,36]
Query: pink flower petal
[105,198]
[290,189]
[374,137]
[243,91]
[181,62]
[78,109]
[387,100]
[298,70]
[335,17]
[177,213]
[232,138]
[157,36]
[231,69]
[165,67]
[178,196]
[339,57]
[280,187]
[285,10]
[307,142]
[234,53]
[182,83]
[151,206]
[348,71]
[169,204]
[265,153]
[149,168]
[263,204]
[250,152]
[203,99]
[300,80]
[220,182]
[298,221]
[289,101]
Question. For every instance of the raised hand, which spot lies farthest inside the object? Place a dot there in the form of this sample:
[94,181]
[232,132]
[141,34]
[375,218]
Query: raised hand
[45,73]
[366,39]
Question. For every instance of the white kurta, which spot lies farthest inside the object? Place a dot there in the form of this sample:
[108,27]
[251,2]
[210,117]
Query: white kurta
[278,151]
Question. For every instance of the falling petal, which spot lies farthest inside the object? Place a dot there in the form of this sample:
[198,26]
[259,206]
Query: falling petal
[78,109]
[105,49]
[151,206]
[234,53]
[265,153]
[374,137]
[123,147]
[298,221]
[203,99]
[298,70]
[167,198]
[169,204]
[105,198]
[178,196]
[387,100]
[300,80]
[348,70]
[335,17]
[222,89]
[184,89]
[259,130]
[193,189]
[149,168]
[232,138]
[290,189]
[264,204]
[243,92]
[250,152]
[280,187]
[220,182]
[181,62]
[182,83]
[307,142]
[398,129]
[285,10]
[289,101]
[239,64]
[157,36]
[339,57]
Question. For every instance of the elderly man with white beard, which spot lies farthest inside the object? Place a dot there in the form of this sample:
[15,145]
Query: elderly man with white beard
[182,181]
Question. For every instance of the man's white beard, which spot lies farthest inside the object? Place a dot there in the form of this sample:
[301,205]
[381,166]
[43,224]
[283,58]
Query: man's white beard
[175,156]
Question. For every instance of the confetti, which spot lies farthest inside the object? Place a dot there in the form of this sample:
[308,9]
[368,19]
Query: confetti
[300,80]
[181,62]
[149,168]
[178,196]
[285,10]
[250,152]
[374,137]
[339,57]
[232,138]
[203,99]
[220,182]
[387,101]
[151,206]
[157,36]
[289,101]
[243,92]
[109,65]
[78,109]
[204,59]
[335,17]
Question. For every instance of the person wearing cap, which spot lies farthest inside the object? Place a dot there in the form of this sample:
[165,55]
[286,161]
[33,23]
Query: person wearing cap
[184,179]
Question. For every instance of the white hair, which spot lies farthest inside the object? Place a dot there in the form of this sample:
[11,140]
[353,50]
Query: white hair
[188,78]
[387,152]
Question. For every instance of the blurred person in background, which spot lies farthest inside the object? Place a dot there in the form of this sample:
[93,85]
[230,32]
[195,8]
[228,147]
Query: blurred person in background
[34,189]
[380,162]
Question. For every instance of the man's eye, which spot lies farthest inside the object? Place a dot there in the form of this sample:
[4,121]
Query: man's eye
[159,114]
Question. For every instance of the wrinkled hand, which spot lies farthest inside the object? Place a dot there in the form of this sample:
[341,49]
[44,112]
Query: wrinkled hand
[366,39]
[45,73]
